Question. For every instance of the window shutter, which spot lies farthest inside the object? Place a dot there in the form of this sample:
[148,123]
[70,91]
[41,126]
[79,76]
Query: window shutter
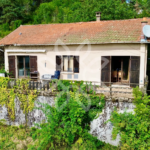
[134,70]
[12,69]
[33,63]
[58,63]
[76,64]
[106,69]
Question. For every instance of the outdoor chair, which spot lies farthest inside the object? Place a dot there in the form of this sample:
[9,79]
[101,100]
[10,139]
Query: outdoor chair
[56,75]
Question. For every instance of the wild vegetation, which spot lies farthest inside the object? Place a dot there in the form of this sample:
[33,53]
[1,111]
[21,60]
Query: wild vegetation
[134,128]
[67,123]
[20,90]
[13,13]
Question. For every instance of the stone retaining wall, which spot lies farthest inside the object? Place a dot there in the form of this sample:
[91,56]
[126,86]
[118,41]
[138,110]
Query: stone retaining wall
[36,116]
[98,127]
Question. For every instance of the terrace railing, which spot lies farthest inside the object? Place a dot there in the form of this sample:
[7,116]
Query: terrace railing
[109,89]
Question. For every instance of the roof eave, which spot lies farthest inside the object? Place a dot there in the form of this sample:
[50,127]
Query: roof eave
[139,42]
[80,43]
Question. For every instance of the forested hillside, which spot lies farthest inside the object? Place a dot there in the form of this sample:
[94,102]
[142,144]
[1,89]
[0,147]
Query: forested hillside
[13,13]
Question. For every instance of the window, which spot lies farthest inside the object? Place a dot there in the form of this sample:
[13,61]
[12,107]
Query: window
[67,63]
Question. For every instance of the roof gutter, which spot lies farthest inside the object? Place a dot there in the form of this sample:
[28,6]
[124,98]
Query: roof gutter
[80,43]
[143,42]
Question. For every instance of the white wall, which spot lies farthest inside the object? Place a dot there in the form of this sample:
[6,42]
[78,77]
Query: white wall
[90,57]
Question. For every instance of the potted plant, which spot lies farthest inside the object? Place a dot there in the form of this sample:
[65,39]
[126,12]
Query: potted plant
[2,71]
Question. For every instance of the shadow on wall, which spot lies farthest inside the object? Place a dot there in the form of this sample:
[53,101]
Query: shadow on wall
[1,57]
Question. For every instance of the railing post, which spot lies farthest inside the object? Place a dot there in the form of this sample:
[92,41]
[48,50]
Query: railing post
[30,85]
[33,85]
[14,83]
[37,85]
[40,85]
[110,90]
[44,86]
[47,85]
[8,85]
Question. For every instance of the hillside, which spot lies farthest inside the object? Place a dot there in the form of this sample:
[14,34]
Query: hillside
[13,13]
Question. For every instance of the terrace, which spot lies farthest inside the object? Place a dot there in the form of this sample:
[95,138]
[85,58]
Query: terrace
[110,89]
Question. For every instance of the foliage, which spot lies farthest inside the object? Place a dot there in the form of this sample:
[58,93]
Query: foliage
[69,121]
[19,138]
[15,24]
[26,96]
[134,128]
[13,13]
[12,137]
[20,90]
[65,85]
[65,127]
[44,13]
[2,69]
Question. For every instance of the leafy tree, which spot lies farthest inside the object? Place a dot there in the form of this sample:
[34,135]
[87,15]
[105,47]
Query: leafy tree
[44,13]
[143,7]
[10,11]
[16,12]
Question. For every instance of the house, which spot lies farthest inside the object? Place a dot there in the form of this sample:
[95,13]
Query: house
[107,51]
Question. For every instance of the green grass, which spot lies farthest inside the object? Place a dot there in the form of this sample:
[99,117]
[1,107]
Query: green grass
[14,138]
[19,138]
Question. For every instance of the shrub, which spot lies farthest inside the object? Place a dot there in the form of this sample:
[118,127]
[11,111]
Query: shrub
[134,128]
[69,121]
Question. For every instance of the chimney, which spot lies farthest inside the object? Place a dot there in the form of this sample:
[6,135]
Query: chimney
[98,16]
[143,22]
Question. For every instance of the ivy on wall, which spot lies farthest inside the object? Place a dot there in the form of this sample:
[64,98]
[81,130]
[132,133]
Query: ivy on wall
[20,91]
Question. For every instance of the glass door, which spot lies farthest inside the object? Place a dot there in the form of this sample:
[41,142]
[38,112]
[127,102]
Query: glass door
[125,69]
[23,66]
[27,68]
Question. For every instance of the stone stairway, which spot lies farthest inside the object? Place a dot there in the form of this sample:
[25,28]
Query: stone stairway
[116,92]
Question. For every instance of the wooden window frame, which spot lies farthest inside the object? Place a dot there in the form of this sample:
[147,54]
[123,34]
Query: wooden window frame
[69,56]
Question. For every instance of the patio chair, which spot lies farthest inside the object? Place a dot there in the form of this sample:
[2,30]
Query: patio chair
[114,76]
[56,75]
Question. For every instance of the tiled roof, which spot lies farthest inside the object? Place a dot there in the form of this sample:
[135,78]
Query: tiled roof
[121,31]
